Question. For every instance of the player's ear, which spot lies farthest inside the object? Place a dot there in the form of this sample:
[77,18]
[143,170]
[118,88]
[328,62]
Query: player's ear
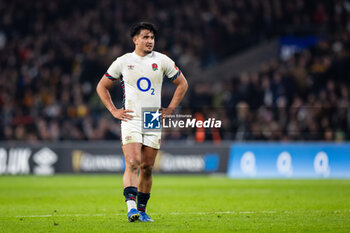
[134,39]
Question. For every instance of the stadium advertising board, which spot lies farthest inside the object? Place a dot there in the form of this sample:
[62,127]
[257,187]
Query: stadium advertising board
[48,159]
[192,159]
[27,160]
[170,159]
[90,161]
[289,160]
[289,45]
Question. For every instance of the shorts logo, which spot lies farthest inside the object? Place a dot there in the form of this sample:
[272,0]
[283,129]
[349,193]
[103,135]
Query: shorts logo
[154,66]
[128,138]
[130,67]
[151,119]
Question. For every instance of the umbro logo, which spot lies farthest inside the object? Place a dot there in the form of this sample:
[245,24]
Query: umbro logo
[130,67]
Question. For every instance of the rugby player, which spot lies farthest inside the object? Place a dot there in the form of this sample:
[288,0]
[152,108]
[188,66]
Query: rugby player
[141,73]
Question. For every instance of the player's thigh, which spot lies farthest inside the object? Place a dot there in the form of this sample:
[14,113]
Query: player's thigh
[148,156]
[132,153]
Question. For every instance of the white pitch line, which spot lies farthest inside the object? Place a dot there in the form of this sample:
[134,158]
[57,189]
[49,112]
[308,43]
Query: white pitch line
[35,216]
[64,215]
[119,214]
[173,213]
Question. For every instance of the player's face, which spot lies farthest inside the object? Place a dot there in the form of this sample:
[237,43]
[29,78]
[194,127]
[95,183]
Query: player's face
[144,41]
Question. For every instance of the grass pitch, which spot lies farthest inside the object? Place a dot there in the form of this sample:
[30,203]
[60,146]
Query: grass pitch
[90,203]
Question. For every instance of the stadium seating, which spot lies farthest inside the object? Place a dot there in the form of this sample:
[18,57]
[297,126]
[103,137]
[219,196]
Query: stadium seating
[52,55]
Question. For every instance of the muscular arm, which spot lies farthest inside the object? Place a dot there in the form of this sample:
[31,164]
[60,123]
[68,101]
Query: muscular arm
[102,90]
[179,93]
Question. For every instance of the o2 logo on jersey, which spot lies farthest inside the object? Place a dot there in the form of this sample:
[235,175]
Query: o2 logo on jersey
[151,119]
[144,85]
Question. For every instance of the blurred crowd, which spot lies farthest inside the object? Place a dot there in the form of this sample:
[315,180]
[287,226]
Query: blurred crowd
[304,98]
[52,55]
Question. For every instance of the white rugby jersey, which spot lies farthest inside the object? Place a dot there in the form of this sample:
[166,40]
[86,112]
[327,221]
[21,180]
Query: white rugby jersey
[142,79]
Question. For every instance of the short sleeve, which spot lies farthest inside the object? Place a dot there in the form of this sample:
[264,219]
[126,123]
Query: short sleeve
[170,69]
[115,70]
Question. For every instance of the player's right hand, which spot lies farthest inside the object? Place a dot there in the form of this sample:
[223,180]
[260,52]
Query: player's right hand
[122,114]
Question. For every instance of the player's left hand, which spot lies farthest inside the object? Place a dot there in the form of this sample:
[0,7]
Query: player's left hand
[166,112]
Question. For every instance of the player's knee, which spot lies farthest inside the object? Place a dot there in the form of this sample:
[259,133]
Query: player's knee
[133,165]
[146,168]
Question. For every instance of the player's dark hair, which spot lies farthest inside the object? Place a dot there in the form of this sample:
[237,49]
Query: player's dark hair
[137,27]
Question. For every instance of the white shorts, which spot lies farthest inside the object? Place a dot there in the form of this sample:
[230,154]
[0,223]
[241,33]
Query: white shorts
[131,132]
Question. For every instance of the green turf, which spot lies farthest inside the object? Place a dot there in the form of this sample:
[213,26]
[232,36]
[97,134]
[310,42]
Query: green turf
[177,204]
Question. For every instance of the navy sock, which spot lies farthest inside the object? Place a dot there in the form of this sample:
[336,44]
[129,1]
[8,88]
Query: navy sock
[130,193]
[142,199]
